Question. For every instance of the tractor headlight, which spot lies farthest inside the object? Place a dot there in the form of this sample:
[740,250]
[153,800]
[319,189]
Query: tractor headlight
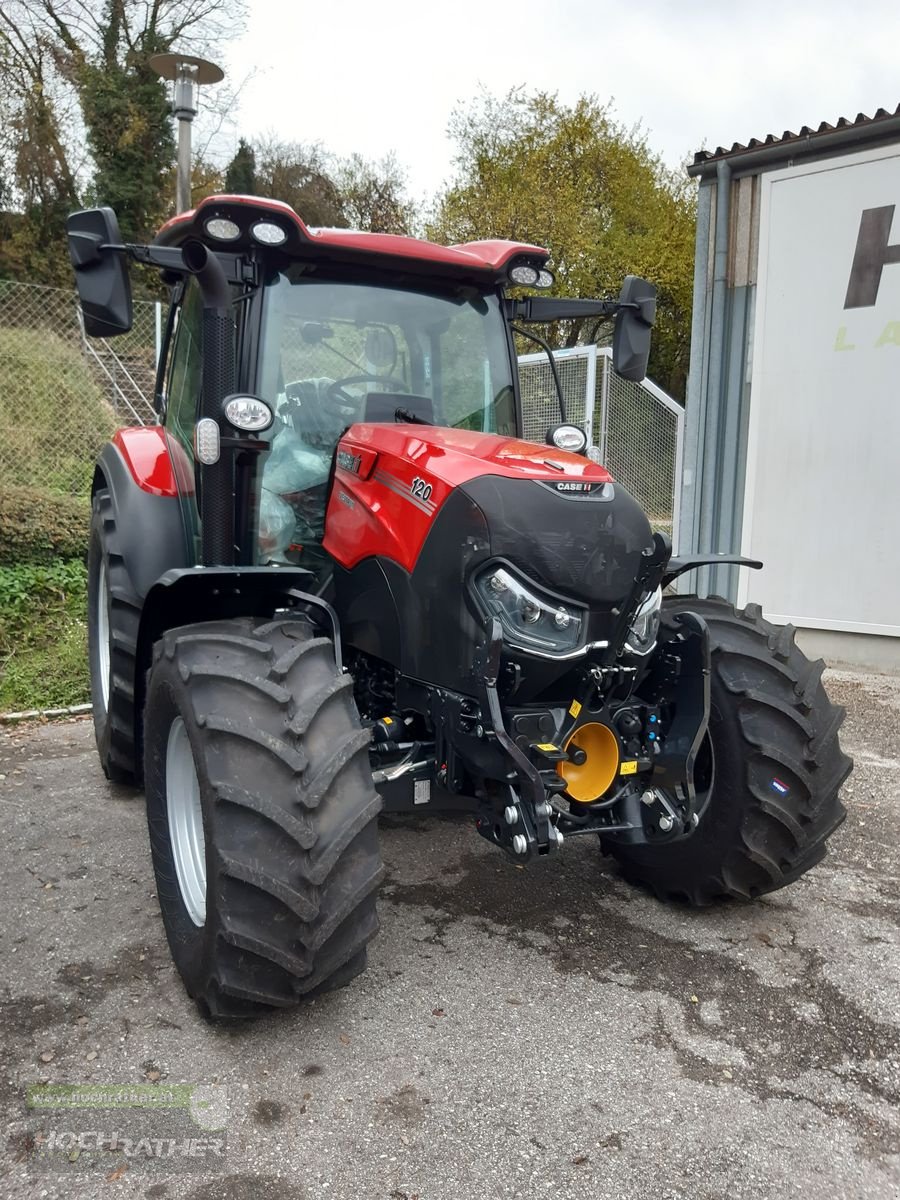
[642,634]
[531,618]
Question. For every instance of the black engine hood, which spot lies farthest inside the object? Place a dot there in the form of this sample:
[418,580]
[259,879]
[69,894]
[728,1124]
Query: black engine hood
[590,547]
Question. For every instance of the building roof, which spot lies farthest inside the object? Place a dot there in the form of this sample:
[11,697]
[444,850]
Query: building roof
[808,140]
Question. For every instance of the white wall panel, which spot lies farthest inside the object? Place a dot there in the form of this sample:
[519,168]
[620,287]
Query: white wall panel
[822,499]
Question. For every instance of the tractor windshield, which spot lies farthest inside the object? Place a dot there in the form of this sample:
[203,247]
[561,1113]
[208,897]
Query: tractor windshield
[335,352]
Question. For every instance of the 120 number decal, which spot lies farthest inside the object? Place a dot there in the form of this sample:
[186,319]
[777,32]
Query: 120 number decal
[420,489]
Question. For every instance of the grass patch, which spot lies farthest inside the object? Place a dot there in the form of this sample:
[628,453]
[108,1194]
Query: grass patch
[43,636]
[53,416]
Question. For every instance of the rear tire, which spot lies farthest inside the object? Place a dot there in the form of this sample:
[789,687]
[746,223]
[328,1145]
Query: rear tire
[288,813]
[114,613]
[777,767]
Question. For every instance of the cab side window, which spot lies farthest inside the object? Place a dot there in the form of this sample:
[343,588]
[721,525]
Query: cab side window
[185,367]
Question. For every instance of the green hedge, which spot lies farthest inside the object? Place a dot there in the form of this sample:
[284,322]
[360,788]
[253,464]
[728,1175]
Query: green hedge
[42,527]
[43,636]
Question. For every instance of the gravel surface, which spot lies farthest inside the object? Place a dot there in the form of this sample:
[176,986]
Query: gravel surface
[519,1032]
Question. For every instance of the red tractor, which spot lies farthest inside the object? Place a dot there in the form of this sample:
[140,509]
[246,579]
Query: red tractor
[335,580]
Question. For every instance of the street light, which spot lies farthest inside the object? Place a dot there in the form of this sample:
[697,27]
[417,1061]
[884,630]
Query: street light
[187,73]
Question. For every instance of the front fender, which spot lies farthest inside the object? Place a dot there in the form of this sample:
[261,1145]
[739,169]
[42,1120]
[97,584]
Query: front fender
[136,469]
[194,594]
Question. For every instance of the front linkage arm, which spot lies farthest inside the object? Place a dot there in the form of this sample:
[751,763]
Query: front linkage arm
[527,816]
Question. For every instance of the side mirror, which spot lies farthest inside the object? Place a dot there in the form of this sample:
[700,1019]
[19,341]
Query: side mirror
[631,338]
[101,273]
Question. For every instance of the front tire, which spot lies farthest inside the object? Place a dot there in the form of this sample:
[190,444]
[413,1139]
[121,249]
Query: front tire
[776,767]
[262,814]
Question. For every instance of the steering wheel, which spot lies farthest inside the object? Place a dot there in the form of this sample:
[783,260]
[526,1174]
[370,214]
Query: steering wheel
[345,400]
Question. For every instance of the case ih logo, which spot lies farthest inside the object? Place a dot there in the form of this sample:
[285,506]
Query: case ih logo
[571,486]
[872,255]
[348,462]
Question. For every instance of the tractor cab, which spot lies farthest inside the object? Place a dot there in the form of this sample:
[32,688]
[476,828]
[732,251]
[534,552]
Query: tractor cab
[328,328]
[334,328]
[336,352]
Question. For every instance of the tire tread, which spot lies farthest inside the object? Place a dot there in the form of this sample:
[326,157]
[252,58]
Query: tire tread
[787,726]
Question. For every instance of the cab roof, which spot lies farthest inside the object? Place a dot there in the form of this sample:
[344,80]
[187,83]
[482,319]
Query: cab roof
[485,262]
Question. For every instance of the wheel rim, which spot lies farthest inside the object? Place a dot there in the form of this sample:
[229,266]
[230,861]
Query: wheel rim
[186,822]
[103,634]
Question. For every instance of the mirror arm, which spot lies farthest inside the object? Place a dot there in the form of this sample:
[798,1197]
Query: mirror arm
[539,309]
[645,310]
[168,258]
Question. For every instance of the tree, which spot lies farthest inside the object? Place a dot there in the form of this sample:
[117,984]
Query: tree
[323,189]
[373,195]
[39,182]
[534,170]
[86,117]
[299,176]
[240,174]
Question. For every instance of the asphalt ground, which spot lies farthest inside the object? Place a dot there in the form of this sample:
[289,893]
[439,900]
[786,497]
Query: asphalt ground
[519,1032]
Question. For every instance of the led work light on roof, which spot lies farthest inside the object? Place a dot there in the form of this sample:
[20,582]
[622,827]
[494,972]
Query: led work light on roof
[525,276]
[222,229]
[248,412]
[268,233]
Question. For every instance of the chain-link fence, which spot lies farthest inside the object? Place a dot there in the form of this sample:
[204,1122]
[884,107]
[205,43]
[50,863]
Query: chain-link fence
[636,427]
[62,395]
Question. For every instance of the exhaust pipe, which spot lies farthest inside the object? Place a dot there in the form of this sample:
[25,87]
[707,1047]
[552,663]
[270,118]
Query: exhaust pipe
[216,481]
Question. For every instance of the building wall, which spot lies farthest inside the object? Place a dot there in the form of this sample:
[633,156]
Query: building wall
[782,416]
[822,482]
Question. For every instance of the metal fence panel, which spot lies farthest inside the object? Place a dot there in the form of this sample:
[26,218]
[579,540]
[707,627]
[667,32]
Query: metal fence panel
[540,403]
[636,427]
[61,395]
[643,430]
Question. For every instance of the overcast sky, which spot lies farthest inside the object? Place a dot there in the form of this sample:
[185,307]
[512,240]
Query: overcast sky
[376,77]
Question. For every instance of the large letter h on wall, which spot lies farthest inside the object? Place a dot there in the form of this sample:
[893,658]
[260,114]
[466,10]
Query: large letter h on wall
[872,255]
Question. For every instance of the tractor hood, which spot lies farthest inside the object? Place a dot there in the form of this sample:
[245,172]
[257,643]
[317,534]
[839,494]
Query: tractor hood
[417,512]
[557,515]
[454,456]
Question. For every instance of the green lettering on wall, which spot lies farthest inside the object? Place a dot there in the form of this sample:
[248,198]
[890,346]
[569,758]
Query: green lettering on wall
[890,335]
[840,342]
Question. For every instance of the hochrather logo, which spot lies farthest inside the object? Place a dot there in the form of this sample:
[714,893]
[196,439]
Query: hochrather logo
[872,255]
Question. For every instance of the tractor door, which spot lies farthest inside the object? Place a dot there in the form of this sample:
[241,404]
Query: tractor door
[183,373]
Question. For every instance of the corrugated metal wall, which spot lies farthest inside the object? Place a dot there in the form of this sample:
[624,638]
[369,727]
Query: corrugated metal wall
[719,385]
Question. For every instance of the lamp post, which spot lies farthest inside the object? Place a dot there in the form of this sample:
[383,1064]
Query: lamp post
[187,73]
